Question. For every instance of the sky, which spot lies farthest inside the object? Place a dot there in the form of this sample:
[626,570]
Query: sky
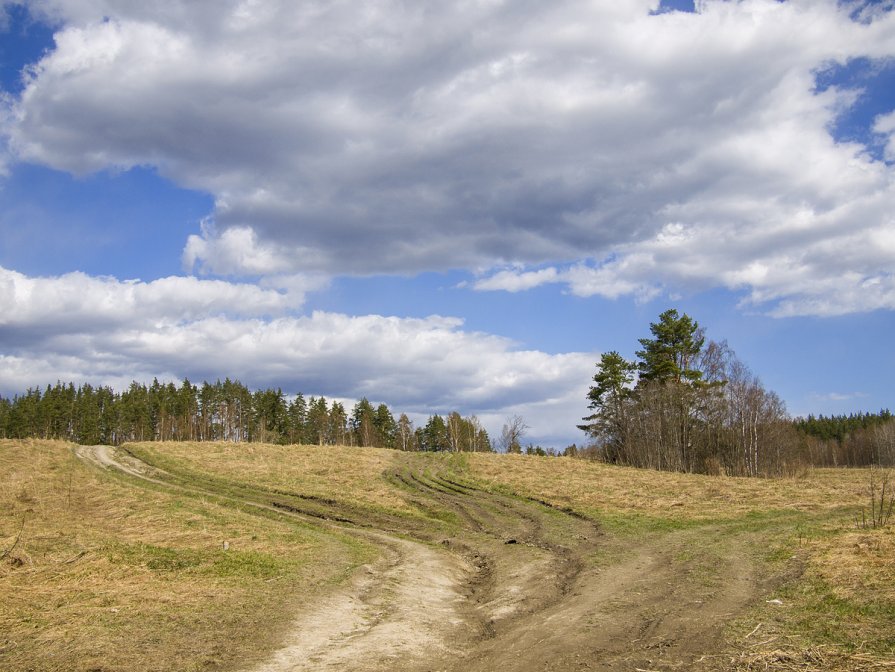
[446,206]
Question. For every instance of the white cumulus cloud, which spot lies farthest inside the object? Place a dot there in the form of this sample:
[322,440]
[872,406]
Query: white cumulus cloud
[646,152]
[74,300]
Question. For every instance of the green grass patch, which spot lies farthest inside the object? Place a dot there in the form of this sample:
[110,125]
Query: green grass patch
[822,617]
[216,563]
[637,524]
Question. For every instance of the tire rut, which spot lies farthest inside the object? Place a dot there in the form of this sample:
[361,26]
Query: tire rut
[532,556]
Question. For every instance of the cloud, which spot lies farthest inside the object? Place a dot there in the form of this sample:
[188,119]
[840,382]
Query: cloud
[236,250]
[80,328]
[642,151]
[515,281]
[75,302]
[838,396]
[786,269]
[884,124]
[614,278]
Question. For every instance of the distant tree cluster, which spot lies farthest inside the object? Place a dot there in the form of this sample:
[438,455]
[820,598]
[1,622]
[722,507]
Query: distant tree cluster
[854,440]
[452,433]
[223,411]
[840,427]
[688,405]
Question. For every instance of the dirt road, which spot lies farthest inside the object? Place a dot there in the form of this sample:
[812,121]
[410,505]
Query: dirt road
[521,587]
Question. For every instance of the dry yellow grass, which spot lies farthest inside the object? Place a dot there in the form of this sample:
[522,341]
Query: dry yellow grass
[594,488]
[99,574]
[354,475]
[351,475]
[839,615]
[858,563]
[847,592]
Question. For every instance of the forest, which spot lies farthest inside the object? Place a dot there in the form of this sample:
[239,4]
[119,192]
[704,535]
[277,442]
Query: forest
[224,411]
[853,440]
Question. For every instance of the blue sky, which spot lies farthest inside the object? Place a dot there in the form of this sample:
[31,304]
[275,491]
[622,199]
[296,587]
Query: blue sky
[447,210]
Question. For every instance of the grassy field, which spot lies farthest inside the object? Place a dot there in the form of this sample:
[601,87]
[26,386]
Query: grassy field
[352,476]
[99,572]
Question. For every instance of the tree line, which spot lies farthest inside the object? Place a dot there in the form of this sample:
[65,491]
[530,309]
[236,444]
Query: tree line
[840,427]
[688,404]
[853,440]
[224,411]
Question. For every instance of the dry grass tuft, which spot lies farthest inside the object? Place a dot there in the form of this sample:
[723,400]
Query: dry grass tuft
[858,564]
[814,659]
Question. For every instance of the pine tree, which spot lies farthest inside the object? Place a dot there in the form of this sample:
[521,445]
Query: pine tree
[386,427]
[672,353]
[363,423]
[318,419]
[5,410]
[337,425]
[434,436]
[609,400]
[298,417]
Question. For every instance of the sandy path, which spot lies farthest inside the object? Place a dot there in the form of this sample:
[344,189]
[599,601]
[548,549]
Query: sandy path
[395,614]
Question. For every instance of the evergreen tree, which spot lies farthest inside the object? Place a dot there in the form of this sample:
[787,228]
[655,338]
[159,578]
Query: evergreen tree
[187,411]
[55,412]
[269,416]
[385,426]
[5,410]
[363,423]
[609,399]
[673,351]
[108,415]
[669,361]
[222,411]
[695,407]
[136,414]
[434,436]
[298,417]
[318,419]
[89,417]
[483,441]
[337,425]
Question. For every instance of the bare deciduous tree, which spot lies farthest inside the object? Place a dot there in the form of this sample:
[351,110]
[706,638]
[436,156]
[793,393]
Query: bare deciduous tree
[512,433]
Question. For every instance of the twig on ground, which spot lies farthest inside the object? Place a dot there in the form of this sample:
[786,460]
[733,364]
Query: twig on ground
[14,543]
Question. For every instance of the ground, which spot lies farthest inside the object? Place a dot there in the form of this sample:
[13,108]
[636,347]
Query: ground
[378,560]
